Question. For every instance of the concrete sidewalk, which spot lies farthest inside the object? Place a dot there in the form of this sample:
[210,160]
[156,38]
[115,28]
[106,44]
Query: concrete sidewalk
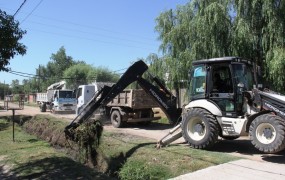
[240,169]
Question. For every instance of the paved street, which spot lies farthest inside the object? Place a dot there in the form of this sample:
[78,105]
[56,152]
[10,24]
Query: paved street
[239,170]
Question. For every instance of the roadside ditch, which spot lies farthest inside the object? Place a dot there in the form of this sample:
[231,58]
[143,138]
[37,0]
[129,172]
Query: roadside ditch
[85,147]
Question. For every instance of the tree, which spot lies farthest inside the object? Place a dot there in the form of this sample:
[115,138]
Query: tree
[259,32]
[198,30]
[103,74]
[16,87]
[60,62]
[10,35]
[82,73]
[77,75]
[54,70]
[213,28]
[4,90]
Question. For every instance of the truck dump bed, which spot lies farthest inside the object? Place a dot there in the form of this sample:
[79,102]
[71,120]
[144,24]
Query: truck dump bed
[133,98]
[42,97]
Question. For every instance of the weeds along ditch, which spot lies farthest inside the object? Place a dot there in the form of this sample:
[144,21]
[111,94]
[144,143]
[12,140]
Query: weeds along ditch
[87,138]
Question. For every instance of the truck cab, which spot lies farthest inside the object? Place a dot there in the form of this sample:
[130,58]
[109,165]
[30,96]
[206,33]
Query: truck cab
[84,94]
[63,100]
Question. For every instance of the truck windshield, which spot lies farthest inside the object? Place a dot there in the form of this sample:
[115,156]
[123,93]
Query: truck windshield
[66,94]
[198,81]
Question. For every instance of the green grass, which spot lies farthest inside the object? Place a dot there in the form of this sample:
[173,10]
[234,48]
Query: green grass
[121,155]
[162,120]
[137,158]
[30,158]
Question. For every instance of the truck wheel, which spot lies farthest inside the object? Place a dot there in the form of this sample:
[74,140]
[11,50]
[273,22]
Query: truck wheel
[267,133]
[200,128]
[43,107]
[116,119]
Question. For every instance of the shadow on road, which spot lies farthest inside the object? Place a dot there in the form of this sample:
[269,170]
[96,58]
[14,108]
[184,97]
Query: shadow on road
[151,126]
[244,147]
[145,126]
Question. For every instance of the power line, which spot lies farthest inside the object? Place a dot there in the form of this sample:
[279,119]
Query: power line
[93,27]
[23,73]
[90,39]
[28,75]
[86,32]
[19,8]
[18,74]
[32,11]
[120,70]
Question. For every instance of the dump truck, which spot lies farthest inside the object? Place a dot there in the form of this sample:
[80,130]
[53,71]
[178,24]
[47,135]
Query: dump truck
[57,99]
[226,100]
[130,105]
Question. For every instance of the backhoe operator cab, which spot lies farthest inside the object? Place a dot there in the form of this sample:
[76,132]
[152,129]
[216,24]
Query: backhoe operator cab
[224,102]
[222,81]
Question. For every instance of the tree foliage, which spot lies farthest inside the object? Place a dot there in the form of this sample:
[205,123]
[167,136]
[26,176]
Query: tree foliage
[4,90]
[77,75]
[63,67]
[54,70]
[82,73]
[10,35]
[214,28]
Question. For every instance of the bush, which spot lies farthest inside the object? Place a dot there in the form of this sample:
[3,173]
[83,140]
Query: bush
[16,97]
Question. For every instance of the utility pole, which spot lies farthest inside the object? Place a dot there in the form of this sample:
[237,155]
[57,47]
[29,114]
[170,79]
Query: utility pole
[39,78]
[4,91]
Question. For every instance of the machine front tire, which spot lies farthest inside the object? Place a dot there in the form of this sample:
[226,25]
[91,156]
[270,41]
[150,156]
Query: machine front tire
[116,119]
[267,133]
[200,128]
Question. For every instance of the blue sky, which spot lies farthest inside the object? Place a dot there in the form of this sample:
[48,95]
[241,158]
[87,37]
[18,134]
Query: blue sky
[108,33]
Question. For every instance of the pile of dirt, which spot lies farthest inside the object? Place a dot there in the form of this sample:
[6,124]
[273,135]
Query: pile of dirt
[84,146]
[47,129]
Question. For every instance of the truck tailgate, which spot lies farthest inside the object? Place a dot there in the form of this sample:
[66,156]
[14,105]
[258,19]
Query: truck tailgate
[133,98]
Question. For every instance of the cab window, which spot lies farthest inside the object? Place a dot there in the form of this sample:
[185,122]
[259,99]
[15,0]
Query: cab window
[221,79]
[198,81]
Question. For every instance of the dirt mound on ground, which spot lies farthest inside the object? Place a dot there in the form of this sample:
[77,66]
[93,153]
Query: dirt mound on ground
[47,129]
[83,149]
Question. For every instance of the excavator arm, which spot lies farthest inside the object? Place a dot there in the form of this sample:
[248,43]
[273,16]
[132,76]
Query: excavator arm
[160,94]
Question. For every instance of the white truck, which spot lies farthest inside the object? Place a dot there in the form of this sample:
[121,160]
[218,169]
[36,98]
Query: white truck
[57,99]
[131,105]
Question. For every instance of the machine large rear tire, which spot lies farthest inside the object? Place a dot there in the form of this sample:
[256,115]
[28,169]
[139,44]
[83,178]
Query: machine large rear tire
[267,133]
[116,119]
[200,128]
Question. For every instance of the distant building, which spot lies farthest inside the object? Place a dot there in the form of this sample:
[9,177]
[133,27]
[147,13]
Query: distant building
[32,98]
